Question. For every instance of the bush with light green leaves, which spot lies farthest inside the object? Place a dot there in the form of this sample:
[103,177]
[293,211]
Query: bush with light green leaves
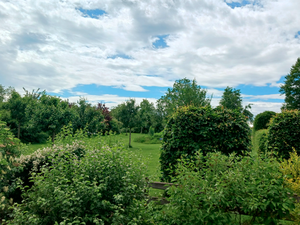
[99,188]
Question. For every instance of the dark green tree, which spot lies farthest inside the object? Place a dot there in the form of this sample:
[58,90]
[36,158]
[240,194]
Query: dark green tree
[17,107]
[127,114]
[184,93]
[291,88]
[232,99]
[146,114]
[88,116]
[50,114]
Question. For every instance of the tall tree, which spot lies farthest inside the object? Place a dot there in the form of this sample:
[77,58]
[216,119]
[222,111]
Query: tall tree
[50,114]
[146,114]
[88,116]
[17,107]
[291,88]
[184,92]
[232,99]
[127,114]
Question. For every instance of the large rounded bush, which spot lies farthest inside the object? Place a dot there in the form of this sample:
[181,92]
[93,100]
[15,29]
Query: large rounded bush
[98,189]
[207,129]
[262,119]
[284,133]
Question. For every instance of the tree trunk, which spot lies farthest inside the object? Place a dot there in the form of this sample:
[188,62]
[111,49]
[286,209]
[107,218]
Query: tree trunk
[129,137]
[19,129]
[53,136]
[141,130]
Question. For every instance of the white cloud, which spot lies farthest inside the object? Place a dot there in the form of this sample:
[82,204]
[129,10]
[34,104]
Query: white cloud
[109,100]
[50,45]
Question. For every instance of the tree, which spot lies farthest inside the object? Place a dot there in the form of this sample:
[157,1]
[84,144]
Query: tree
[127,114]
[146,114]
[17,107]
[291,88]
[50,114]
[184,93]
[231,99]
[87,116]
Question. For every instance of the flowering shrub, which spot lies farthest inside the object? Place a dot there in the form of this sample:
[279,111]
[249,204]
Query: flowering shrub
[100,188]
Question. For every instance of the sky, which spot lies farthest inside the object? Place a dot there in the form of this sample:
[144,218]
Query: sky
[111,50]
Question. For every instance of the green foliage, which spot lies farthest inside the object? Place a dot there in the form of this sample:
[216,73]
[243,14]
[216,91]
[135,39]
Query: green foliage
[127,113]
[211,188]
[100,188]
[9,149]
[262,120]
[50,114]
[151,131]
[291,171]
[192,128]
[87,117]
[284,133]
[232,99]
[39,159]
[260,141]
[184,93]
[291,88]
[146,115]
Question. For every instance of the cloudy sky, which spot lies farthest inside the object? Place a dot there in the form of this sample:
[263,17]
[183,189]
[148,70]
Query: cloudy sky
[112,50]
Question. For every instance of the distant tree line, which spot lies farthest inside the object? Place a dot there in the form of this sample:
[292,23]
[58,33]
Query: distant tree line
[36,116]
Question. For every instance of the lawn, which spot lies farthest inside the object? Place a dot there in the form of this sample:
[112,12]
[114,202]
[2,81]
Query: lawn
[150,152]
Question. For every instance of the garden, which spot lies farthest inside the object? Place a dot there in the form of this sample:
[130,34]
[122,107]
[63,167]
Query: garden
[217,175]
[76,163]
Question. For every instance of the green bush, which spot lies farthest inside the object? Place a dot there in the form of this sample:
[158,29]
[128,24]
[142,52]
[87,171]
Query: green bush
[151,131]
[9,149]
[216,189]
[192,128]
[262,119]
[284,133]
[36,161]
[98,189]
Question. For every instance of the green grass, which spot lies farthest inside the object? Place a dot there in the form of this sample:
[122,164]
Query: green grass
[149,151]
[255,139]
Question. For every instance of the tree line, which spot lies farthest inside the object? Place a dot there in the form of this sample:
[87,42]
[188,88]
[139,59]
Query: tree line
[36,115]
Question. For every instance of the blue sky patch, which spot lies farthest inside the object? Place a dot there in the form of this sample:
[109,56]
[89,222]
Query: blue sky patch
[161,42]
[93,89]
[92,13]
[237,4]
[297,34]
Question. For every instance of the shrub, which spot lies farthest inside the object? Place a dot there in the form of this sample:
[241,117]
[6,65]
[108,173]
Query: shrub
[192,128]
[262,119]
[98,189]
[9,149]
[284,133]
[25,165]
[291,171]
[151,131]
[211,188]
